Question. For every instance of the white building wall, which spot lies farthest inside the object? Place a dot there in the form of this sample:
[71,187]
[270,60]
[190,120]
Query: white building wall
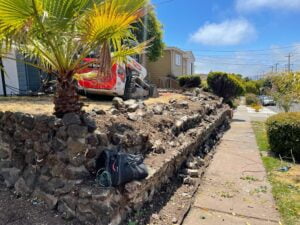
[11,75]
[189,67]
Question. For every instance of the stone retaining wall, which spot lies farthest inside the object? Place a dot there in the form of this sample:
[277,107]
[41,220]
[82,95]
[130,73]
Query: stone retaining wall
[54,160]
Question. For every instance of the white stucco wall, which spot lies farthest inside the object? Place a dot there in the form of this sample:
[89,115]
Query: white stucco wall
[11,75]
[189,66]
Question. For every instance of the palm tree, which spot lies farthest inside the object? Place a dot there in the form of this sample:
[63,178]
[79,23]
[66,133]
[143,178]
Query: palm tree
[59,34]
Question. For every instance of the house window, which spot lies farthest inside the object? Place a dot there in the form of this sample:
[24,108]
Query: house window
[178,60]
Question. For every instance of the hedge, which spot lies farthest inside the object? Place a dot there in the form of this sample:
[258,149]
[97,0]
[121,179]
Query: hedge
[283,132]
[225,85]
[251,99]
[251,87]
[189,81]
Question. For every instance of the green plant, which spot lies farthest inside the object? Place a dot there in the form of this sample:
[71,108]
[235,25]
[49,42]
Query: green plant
[204,86]
[261,136]
[251,87]
[283,132]
[189,81]
[57,35]
[233,103]
[286,89]
[225,85]
[257,107]
[132,223]
[154,30]
[251,99]
[249,178]
[285,191]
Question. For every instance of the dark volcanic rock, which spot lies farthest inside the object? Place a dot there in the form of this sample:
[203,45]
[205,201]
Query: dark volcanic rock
[76,173]
[76,131]
[11,175]
[89,122]
[71,118]
[28,121]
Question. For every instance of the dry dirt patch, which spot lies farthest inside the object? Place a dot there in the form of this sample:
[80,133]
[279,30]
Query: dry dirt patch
[44,105]
[291,177]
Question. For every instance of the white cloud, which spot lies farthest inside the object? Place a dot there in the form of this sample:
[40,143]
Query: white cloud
[229,32]
[251,5]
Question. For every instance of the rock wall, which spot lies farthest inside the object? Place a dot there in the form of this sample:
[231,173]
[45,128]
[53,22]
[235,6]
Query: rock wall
[54,160]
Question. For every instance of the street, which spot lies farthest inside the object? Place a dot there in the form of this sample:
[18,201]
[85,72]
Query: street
[295,108]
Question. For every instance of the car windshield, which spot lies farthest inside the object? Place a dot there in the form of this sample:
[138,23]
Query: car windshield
[268,98]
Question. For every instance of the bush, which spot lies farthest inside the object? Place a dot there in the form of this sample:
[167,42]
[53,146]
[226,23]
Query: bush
[225,85]
[189,81]
[251,87]
[283,132]
[233,103]
[257,107]
[251,99]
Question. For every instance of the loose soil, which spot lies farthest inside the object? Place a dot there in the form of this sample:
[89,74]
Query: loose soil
[175,195]
[18,211]
[44,104]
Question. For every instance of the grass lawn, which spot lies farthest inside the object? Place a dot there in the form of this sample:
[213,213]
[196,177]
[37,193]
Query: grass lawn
[285,185]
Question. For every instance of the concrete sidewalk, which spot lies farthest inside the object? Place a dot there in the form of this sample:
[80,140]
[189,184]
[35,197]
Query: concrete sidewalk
[235,189]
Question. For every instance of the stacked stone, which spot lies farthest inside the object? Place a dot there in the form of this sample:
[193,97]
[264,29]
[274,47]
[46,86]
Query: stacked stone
[54,160]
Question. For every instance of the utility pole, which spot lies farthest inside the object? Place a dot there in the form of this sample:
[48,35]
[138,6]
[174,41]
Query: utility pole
[289,62]
[272,67]
[3,77]
[145,35]
[276,67]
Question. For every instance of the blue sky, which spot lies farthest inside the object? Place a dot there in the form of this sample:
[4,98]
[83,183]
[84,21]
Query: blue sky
[221,33]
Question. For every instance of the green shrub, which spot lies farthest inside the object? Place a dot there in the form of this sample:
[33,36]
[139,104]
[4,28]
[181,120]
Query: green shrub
[250,87]
[283,132]
[225,85]
[257,107]
[251,99]
[189,81]
[233,103]
[204,86]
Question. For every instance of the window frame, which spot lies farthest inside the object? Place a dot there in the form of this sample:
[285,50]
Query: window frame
[178,59]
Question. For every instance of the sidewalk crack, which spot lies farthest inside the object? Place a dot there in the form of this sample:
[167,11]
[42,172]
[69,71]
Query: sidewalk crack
[236,214]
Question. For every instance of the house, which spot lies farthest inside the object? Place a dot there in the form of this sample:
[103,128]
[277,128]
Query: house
[19,78]
[175,62]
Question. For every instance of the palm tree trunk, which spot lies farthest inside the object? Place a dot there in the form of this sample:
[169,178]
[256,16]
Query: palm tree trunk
[66,99]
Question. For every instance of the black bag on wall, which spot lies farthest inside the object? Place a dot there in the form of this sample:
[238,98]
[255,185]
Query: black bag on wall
[120,168]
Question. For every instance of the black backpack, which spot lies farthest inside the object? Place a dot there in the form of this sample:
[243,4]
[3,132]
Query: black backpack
[117,168]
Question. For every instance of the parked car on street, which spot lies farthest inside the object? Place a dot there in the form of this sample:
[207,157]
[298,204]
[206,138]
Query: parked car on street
[267,100]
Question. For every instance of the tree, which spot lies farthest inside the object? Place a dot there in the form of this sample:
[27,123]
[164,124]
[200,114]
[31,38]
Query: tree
[225,85]
[154,31]
[59,34]
[286,89]
[246,79]
[251,87]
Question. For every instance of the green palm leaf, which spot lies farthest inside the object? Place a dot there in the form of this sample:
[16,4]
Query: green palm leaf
[59,34]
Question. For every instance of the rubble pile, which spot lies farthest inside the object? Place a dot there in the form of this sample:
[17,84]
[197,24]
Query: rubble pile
[55,160]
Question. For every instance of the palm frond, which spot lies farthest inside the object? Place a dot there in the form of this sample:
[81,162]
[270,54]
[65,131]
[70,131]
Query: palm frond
[60,33]
[120,56]
[110,18]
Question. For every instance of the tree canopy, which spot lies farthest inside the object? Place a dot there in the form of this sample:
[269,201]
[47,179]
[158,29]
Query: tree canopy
[286,89]
[154,32]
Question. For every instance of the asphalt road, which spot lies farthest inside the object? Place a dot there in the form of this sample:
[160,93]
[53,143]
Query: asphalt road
[295,108]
